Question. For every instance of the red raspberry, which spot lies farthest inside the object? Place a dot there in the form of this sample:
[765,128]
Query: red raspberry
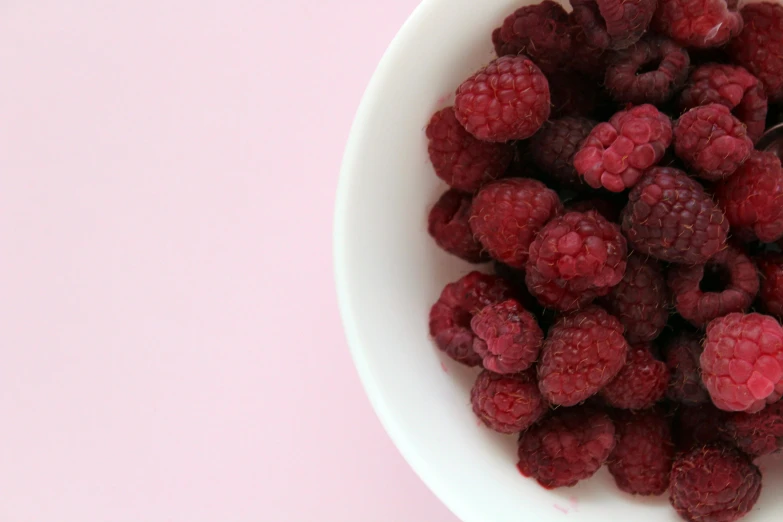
[682,359]
[507,403]
[553,148]
[771,295]
[650,71]
[640,300]
[642,457]
[669,216]
[581,354]
[572,94]
[700,23]
[714,483]
[508,213]
[450,316]
[461,160]
[640,383]
[449,226]
[751,197]
[540,31]
[742,361]
[695,426]
[615,154]
[759,47]
[756,434]
[569,446]
[508,337]
[559,294]
[607,208]
[613,24]
[727,283]
[733,87]
[712,141]
[506,100]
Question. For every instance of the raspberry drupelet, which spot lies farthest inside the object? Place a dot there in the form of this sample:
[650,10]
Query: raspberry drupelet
[554,146]
[508,337]
[712,141]
[759,47]
[641,382]
[449,227]
[616,153]
[506,100]
[507,403]
[613,24]
[756,434]
[450,316]
[682,359]
[742,361]
[771,294]
[461,160]
[508,213]
[669,216]
[699,23]
[540,31]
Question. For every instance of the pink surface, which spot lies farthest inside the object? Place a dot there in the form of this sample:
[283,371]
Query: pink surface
[171,347]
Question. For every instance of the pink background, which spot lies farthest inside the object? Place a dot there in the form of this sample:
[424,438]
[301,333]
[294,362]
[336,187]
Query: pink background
[171,347]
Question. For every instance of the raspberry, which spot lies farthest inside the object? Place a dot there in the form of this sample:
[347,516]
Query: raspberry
[572,94]
[759,47]
[581,354]
[553,148]
[450,316]
[733,87]
[607,208]
[508,337]
[669,216]
[615,154]
[642,457]
[714,483]
[742,361]
[682,359]
[506,100]
[502,47]
[540,31]
[640,383]
[751,197]
[449,226]
[461,160]
[640,300]
[771,295]
[699,23]
[697,425]
[569,446]
[585,58]
[712,141]
[508,213]
[756,434]
[727,283]
[650,71]
[558,294]
[507,403]
[613,24]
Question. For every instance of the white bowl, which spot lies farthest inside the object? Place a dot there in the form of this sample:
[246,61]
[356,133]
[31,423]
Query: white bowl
[389,272]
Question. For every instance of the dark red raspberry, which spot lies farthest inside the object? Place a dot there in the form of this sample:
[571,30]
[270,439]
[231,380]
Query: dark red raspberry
[640,383]
[581,354]
[758,433]
[613,24]
[682,359]
[615,154]
[566,447]
[695,426]
[540,31]
[699,23]
[558,294]
[712,141]
[585,57]
[448,225]
[502,47]
[640,300]
[733,87]
[759,47]
[771,295]
[506,100]
[669,216]
[609,209]
[742,361]
[461,160]
[554,146]
[508,337]
[714,483]
[751,197]
[642,457]
[450,316]
[507,403]
[649,71]
[572,94]
[508,213]
[727,283]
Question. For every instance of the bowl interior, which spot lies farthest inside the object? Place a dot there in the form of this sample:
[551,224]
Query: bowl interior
[389,272]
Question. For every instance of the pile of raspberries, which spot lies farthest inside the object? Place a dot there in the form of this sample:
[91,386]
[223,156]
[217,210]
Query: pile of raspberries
[605,164]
